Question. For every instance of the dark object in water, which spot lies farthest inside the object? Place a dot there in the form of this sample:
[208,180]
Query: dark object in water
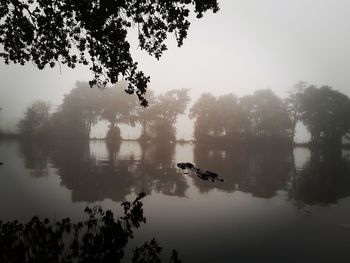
[1,163]
[214,175]
[185,165]
[182,165]
[207,175]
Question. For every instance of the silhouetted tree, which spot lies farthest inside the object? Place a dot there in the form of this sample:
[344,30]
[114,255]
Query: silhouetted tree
[35,123]
[325,112]
[293,103]
[232,119]
[161,116]
[117,107]
[0,122]
[99,238]
[207,123]
[145,115]
[94,33]
[252,117]
[267,116]
[79,111]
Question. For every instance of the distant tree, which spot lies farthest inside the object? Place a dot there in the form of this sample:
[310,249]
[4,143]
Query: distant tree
[163,113]
[94,33]
[79,111]
[228,118]
[205,111]
[35,123]
[221,117]
[325,112]
[267,115]
[161,130]
[117,107]
[233,121]
[293,103]
[250,111]
[145,115]
[167,108]
[0,119]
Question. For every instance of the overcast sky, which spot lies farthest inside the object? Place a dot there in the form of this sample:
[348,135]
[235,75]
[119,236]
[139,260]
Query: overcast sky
[247,45]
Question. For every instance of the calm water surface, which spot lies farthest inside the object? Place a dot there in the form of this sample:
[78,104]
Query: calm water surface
[275,205]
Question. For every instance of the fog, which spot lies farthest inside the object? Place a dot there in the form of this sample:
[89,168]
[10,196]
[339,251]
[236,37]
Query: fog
[245,141]
[247,45]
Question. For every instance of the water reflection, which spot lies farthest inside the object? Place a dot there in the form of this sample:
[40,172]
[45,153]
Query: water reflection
[92,177]
[260,171]
[247,215]
[324,179]
[157,171]
[267,171]
[114,171]
[35,158]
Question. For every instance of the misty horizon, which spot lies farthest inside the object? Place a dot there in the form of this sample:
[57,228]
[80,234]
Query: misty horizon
[242,153]
[244,47]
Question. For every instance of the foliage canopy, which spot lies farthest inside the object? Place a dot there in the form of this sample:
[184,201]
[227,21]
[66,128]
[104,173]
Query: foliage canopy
[94,33]
[325,112]
[262,115]
[36,120]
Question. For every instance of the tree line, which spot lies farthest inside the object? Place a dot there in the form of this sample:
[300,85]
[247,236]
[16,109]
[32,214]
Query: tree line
[263,116]
[84,107]
[259,117]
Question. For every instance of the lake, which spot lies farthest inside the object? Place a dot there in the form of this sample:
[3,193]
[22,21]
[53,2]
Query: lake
[275,204]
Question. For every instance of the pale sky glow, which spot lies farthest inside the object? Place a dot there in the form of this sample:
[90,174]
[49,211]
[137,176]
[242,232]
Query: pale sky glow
[247,45]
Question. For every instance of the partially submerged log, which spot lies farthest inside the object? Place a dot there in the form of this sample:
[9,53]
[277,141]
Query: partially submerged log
[207,175]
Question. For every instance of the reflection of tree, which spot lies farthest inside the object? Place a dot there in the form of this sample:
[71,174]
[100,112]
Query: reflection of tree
[100,238]
[113,148]
[35,157]
[157,172]
[91,179]
[267,171]
[95,179]
[325,178]
[222,161]
[260,171]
